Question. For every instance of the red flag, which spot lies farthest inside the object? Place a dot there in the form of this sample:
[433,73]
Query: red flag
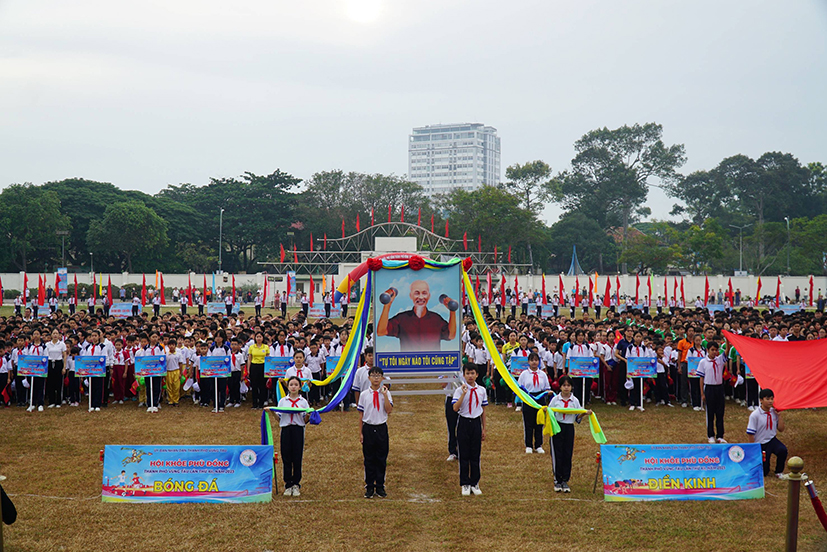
[76,289]
[389,212]
[57,286]
[758,292]
[464,241]
[26,287]
[281,253]
[143,292]
[94,287]
[333,290]
[516,286]
[576,291]
[163,295]
[591,292]
[637,289]
[811,290]
[311,242]
[495,254]
[189,290]
[607,295]
[343,227]
[371,216]
[358,223]
[109,291]
[1,292]
[264,299]
[502,291]
[544,290]
[295,255]
[325,241]
[562,293]
[204,292]
[509,253]
[479,243]
[617,288]
[288,285]
[446,228]
[402,216]
[706,289]
[731,293]
[312,291]
[419,217]
[477,289]
[675,291]
[490,290]
[233,289]
[665,290]
[432,223]
[778,292]
[800,381]
[649,283]
[683,293]
[41,290]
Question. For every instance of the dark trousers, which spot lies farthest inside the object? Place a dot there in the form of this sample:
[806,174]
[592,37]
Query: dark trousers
[235,387]
[469,443]
[514,310]
[222,391]
[533,431]
[292,448]
[107,381]
[258,385]
[663,388]
[562,448]
[451,420]
[284,310]
[327,310]
[682,385]
[499,311]
[96,392]
[776,447]
[305,308]
[21,391]
[524,309]
[695,391]
[156,309]
[200,308]
[597,311]
[206,394]
[37,389]
[54,381]
[634,394]
[229,309]
[375,450]
[618,379]
[153,390]
[4,380]
[715,404]
[751,391]
[258,310]
[74,388]
[135,310]
[315,393]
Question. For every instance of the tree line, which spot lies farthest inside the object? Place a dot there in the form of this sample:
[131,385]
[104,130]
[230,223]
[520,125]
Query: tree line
[751,212]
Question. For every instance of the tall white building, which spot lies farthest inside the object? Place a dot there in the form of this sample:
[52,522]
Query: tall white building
[443,157]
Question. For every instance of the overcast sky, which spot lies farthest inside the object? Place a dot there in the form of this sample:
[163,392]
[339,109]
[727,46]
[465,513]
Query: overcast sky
[146,94]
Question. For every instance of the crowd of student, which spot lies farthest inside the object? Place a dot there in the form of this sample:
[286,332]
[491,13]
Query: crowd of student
[669,337]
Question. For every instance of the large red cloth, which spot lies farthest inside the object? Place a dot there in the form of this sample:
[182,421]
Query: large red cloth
[796,371]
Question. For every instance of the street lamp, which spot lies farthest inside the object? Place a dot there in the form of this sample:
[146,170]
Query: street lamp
[220,240]
[741,245]
[788,244]
[91,262]
[62,234]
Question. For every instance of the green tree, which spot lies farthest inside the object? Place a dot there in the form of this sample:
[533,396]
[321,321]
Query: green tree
[653,251]
[594,245]
[127,228]
[29,219]
[531,183]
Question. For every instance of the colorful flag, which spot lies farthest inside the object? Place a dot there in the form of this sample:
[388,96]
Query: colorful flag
[490,290]
[312,291]
[811,290]
[281,252]
[591,292]
[446,228]
[607,295]
[544,289]
[502,291]
[358,223]
[109,291]
[76,289]
[637,289]
[402,214]
[233,289]
[419,217]
[371,216]
[706,289]
[143,292]
[163,294]
[778,292]
[758,292]
[311,242]
[464,241]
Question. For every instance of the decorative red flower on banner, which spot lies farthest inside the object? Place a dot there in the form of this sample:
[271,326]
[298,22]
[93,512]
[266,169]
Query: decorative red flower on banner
[467,263]
[374,264]
[416,262]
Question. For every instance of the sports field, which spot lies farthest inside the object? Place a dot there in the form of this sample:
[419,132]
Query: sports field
[51,459]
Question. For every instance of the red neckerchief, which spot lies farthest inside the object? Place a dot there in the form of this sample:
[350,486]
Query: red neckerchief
[536,375]
[565,405]
[376,400]
[293,403]
[769,419]
[472,397]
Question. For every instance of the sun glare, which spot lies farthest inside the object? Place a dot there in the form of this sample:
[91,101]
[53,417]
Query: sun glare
[363,11]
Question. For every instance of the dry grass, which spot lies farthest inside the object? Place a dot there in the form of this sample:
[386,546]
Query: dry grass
[55,453]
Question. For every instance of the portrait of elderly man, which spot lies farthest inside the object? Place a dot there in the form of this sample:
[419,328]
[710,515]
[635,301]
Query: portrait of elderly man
[418,329]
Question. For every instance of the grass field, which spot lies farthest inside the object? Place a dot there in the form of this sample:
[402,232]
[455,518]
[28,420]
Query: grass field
[51,459]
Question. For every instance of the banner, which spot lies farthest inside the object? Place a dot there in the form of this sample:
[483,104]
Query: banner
[584,367]
[682,472]
[150,366]
[276,367]
[519,364]
[317,311]
[221,308]
[215,366]
[714,308]
[641,367]
[291,275]
[90,366]
[789,309]
[121,310]
[32,365]
[692,366]
[62,281]
[330,366]
[162,473]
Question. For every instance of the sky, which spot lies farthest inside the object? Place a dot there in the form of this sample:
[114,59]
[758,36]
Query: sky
[152,93]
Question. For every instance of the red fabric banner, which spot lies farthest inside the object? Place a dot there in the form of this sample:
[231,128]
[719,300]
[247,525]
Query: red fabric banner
[794,370]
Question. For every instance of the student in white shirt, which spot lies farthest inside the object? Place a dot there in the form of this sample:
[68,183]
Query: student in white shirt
[763,427]
[562,444]
[175,360]
[375,404]
[315,360]
[56,351]
[536,383]
[238,362]
[292,436]
[469,402]
[711,372]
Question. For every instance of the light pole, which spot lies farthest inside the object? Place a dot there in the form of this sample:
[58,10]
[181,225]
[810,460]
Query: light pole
[741,245]
[62,234]
[91,262]
[788,244]
[220,236]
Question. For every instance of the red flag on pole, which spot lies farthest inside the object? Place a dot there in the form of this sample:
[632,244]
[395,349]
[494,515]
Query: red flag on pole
[516,286]
[311,242]
[389,212]
[490,290]
[57,286]
[778,292]
[811,290]
[325,241]
[731,293]
[233,289]
[502,291]
[295,255]
[544,290]
[358,224]
[419,217]
[706,289]
[576,291]
[333,290]
[343,227]
[495,254]
[665,290]
[477,288]
[683,293]
[758,292]
[312,291]
[561,297]
[675,291]
[432,223]
[637,289]
[26,287]
[264,299]
[446,228]
[163,295]
[288,285]
[371,216]
[143,292]
[509,253]
[204,292]
[464,241]
[76,289]
[479,243]
[402,215]
[41,290]
[281,253]
[607,295]
[94,287]
[109,291]
[1,292]
[617,288]
[189,289]
[649,283]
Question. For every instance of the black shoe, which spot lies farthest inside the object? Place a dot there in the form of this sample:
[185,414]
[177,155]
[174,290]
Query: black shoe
[380,492]
[369,492]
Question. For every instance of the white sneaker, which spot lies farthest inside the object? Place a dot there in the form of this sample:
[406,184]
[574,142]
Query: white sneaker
[711,439]
[557,487]
[236,405]
[751,409]
[288,491]
[476,490]
[451,458]
[57,406]
[149,409]
[40,408]
[518,409]
[539,450]
[640,408]
[97,409]
[120,402]
[684,405]
[30,409]
[529,450]
[51,406]
[466,490]
[721,440]
[296,490]
[155,408]
[696,408]
[631,408]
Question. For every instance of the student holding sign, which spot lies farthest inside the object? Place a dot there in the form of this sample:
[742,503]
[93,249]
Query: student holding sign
[94,349]
[536,383]
[56,351]
[37,384]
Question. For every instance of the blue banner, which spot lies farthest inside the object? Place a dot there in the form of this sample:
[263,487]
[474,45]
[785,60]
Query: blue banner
[789,309]
[418,362]
[714,308]
[747,371]
[149,366]
[215,366]
[276,367]
[641,367]
[292,276]
[330,365]
[122,310]
[316,311]
[62,281]
[519,364]
[33,365]
[682,472]
[162,473]
[692,366]
[584,367]
[221,308]
[92,366]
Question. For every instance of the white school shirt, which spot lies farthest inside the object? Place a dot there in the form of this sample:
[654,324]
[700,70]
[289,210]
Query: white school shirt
[5,363]
[109,351]
[156,300]
[175,361]
[90,302]
[304,374]
[70,364]
[367,406]
[639,351]
[455,383]
[473,402]
[583,350]
[93,350]
[36,350]
[712,371]
[292,418]
[281,350]
[258,300]
[237,360]
[763,425]
[478,355]
[315,363]
[559,402]
[534,381]
[55,350]
[136,302]
[120,358]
